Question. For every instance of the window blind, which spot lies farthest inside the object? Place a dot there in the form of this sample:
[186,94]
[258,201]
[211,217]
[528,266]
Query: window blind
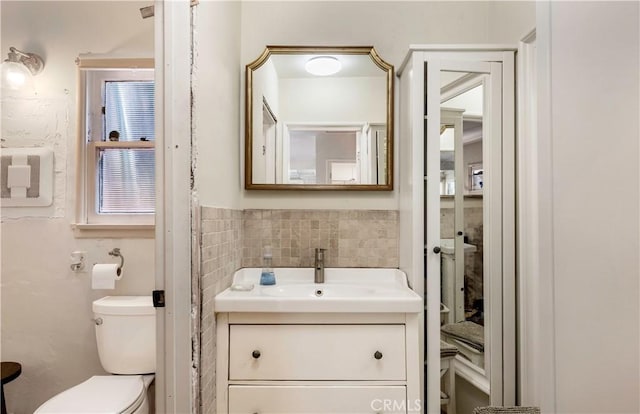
[129,109]
[126,180]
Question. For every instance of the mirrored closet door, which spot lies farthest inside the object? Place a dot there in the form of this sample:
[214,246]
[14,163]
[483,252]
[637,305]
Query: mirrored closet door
[466,233]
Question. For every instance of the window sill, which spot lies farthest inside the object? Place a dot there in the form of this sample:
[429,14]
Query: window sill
[114,231]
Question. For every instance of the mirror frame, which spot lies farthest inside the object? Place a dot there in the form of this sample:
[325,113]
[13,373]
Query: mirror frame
[248,122]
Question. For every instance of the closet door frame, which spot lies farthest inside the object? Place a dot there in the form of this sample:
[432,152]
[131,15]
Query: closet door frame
[421,70]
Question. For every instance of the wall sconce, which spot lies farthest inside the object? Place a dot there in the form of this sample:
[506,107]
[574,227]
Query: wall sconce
[18,69]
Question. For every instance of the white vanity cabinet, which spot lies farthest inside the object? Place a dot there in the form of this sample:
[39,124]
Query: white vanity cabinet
[317,363]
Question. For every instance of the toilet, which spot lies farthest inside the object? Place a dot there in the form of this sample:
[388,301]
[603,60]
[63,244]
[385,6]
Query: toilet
[126,339]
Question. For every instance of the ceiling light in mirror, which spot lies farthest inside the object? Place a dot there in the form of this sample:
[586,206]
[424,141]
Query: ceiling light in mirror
[323,66]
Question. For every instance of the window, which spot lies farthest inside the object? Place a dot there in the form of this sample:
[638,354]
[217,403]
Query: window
[125,179]
[116,174]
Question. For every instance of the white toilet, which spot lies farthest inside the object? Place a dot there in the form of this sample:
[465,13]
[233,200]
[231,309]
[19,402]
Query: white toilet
[126,338]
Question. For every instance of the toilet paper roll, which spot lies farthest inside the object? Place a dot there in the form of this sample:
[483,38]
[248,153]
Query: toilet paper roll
[104,276]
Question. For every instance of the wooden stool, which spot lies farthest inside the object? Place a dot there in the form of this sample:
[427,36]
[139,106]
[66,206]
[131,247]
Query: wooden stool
[10,371]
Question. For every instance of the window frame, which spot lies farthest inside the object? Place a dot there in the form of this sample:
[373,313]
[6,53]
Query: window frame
[88,222]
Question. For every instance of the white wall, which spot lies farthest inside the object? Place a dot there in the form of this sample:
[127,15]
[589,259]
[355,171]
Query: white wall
[594,78]
[46,309]
[335,100]
[216,103]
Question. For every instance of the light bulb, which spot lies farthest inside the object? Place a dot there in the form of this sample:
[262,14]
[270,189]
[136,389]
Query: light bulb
[15,76]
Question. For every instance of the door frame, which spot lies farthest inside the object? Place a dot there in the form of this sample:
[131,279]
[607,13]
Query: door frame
[172,47]
[537,382]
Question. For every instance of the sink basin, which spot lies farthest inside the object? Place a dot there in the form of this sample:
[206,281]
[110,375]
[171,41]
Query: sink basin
[345,290]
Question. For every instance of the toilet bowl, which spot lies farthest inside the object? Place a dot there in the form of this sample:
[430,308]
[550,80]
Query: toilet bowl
[102,394]
[125,334]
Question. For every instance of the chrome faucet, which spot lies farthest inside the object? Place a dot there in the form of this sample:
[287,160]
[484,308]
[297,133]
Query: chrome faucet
[319,265]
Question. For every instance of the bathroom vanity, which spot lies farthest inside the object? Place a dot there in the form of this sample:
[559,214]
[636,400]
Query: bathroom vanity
[349,345]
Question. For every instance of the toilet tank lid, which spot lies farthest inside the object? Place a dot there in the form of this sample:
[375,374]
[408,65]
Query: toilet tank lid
[124,305]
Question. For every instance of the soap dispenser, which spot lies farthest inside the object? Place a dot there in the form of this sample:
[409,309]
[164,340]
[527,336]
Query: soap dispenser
[267,277]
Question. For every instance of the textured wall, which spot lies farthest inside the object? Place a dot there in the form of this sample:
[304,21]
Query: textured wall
[221,248]
[216,103]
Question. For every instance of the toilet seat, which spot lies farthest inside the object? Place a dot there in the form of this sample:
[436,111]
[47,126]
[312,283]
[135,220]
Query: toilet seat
[102,394]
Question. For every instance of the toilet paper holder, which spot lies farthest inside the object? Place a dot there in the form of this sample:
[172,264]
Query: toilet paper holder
[116,253]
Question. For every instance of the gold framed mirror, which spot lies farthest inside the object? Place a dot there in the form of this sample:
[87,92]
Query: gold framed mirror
[319,118]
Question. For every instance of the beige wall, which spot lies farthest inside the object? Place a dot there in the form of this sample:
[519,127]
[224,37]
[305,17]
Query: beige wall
[593,136]
[216,103]
[46,308]
[510,21]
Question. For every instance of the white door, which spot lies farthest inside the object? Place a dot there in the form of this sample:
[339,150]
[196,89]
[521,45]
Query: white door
[495,370]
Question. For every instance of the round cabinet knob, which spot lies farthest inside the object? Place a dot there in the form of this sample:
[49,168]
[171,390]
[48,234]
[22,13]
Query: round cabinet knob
[460,233]
[377,355]
[255,354]
[436,249]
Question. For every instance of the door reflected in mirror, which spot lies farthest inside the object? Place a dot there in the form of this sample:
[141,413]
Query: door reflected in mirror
[334,155]
[319,132]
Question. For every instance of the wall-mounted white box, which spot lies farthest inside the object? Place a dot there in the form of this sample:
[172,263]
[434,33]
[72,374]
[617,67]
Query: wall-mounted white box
[26,177]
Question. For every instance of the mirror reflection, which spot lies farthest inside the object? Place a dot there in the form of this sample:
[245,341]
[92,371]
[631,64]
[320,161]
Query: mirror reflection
[312,126]
[461,187]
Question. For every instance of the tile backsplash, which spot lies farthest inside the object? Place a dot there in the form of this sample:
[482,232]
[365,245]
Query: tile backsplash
[353,238]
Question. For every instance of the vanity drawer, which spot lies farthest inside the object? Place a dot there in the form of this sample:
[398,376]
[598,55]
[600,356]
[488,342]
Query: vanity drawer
[317,352]
[319,400]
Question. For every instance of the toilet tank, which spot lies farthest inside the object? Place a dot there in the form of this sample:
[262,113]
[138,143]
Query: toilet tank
[126,334]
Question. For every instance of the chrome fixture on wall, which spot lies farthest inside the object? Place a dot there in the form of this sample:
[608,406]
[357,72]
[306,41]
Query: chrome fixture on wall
[78,259]
[116,253]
